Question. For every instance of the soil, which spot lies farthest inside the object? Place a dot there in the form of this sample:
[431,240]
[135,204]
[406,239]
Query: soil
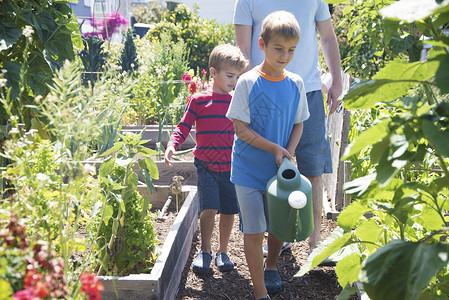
[320,283]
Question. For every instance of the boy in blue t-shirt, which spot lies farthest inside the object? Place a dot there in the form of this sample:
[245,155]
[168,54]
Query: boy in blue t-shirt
[267,109]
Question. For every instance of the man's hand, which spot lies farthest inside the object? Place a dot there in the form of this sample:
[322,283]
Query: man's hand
[169,152]
[333,97]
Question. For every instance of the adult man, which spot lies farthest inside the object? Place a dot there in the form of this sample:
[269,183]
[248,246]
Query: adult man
[313,152]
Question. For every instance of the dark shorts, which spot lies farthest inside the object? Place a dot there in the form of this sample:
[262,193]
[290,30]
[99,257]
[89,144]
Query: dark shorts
[313,153]
[215,190]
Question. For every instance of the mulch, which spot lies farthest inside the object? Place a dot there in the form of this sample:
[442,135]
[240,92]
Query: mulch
[320,283]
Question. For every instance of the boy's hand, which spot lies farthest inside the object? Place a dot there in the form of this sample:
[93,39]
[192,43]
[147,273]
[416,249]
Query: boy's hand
[279,154]
[169,152]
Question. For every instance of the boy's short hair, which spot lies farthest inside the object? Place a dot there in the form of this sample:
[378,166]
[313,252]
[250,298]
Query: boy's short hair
[227,54]
[281,23]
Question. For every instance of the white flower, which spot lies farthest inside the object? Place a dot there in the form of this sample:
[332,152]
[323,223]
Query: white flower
[3,82]
[28,31]
[88,168]
[14,130]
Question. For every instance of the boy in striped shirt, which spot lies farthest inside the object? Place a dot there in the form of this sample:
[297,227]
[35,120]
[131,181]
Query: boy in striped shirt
[214,136]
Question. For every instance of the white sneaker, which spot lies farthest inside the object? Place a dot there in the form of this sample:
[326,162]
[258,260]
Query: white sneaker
[285,246]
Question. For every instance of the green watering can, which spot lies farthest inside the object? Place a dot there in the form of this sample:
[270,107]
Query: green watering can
[290,207]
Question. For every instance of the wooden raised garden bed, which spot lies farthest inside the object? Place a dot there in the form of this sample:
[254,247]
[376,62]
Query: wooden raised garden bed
[164,279]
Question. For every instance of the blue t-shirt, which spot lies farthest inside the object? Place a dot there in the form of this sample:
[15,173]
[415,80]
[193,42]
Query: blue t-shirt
[271,106]
[307,13]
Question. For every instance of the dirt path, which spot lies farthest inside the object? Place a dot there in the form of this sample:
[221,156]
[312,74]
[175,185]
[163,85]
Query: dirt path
[320,283]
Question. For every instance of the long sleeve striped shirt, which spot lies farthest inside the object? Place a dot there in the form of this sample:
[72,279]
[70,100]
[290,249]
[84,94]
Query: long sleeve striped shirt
[214,132]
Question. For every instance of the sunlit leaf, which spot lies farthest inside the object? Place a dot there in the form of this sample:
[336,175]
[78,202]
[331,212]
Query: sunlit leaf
[390,83]
[348,269]
[335,241]
[351,215]
[369,231]
[358,186]
[123,160]
[368,137]
[152,168]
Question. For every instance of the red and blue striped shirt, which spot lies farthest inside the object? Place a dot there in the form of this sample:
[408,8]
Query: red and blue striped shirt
[214,131]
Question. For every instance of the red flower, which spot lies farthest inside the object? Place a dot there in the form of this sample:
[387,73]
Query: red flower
[192,87]
[41,290]
[91,285]
[32,278]
[186,78]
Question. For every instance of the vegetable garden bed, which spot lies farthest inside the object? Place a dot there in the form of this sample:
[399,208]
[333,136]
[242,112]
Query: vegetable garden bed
[163,281]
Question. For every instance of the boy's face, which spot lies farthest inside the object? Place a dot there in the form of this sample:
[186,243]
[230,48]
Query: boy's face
[279,51]
[225,79]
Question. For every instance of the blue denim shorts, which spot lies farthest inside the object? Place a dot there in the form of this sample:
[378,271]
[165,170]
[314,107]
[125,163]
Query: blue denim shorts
[215,190]
[313,153]
[253,209]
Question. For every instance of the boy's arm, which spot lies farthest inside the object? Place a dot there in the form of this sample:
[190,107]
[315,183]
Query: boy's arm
[294,137]
[181,131]
[251,137]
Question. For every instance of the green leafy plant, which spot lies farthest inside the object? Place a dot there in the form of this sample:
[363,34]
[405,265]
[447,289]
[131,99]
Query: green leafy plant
[93,58]
[161,62]
[200,35]
[396,228]
[36,37]
[126,230]
[50,190]
[128,60]
[149,13]
[368,41]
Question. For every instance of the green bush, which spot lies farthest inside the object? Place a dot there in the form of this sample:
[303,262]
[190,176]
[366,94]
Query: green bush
[200,35]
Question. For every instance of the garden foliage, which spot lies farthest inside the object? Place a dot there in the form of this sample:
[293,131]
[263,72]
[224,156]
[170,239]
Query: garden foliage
[200,35]
[401,252]
[36,37]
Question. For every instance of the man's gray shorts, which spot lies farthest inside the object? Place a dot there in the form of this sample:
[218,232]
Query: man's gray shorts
[313,153]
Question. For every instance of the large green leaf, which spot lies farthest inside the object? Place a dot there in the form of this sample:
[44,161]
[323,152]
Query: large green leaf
[9,33]
[369,231]
[401,44]
[351,215]
[413,10]
[348,269]
[334,242]
[400,270]
[368,137]
[390,83]
[442,74]
[430,219]
[439,139]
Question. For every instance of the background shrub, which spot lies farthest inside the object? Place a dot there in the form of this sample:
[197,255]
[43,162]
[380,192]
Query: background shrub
[200,35]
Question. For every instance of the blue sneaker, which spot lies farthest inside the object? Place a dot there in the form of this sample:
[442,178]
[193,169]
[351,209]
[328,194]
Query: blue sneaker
[223,262]
[285,246]
[201,264]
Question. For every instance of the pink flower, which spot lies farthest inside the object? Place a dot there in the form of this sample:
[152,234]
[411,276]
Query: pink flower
[186,78]
[204,72]
[26,294]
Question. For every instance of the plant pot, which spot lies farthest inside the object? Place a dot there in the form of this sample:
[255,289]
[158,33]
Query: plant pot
[163,281]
